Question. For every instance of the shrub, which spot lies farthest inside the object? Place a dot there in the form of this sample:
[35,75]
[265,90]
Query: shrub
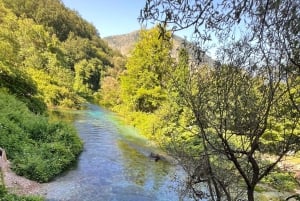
[39,149]
[283,181]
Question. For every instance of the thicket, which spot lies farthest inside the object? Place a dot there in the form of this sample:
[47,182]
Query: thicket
[38,149]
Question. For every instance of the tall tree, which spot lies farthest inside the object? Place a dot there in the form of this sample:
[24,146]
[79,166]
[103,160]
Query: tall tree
[235,116]
[143,82]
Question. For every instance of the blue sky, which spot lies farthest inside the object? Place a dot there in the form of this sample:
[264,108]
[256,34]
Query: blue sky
[110,17]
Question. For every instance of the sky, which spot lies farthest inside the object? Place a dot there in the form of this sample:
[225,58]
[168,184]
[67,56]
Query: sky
[113,17]
[110,17]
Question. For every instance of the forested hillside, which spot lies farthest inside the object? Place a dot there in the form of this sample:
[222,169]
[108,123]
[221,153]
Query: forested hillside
[49,57]
[59,54]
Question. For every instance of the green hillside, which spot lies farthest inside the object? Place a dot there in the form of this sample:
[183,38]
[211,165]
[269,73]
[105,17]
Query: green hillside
[57,54]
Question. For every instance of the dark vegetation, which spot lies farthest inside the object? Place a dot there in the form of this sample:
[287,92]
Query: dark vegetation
[38,149]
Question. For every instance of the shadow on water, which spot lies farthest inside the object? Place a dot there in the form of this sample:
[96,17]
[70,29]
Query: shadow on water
[114,165]
[142,170]
[68,116]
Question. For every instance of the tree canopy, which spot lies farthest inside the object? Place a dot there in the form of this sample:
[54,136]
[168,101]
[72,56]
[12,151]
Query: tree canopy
[41,47]
[146,72]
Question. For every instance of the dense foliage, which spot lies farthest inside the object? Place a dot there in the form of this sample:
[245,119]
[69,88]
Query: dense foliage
[228,125]
[146,73]
[50,55]
[243,109]
[138,91]
[52,14]
[37,148]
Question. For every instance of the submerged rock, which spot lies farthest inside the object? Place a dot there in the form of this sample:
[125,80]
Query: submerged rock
[155,156]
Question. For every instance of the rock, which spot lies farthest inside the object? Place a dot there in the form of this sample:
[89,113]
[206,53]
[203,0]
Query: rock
[156,157]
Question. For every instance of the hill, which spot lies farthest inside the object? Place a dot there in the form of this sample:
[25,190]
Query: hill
[51,55]
[123,43]
[126,42]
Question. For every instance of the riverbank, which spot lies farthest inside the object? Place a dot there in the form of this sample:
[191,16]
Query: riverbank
[19,185]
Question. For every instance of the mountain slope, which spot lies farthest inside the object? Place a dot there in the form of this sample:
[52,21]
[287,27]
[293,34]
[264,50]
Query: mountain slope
[50,54]
[126,42]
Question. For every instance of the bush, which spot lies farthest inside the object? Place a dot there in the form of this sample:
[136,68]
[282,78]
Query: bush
[283,181]
[12,197]
[38,149]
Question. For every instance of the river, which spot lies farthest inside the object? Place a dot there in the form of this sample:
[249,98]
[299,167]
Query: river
[114,165]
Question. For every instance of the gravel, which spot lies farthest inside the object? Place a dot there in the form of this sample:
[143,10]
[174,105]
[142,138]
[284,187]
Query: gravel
[17,184]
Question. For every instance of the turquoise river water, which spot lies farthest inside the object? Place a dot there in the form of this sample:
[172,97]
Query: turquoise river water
[114,165]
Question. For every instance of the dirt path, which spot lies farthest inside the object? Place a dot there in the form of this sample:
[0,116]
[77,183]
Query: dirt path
[19,185]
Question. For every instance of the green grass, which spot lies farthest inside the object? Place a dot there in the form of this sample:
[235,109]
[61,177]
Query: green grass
[6,196]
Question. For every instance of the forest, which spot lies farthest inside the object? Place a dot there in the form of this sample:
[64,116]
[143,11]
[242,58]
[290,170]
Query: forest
[228,125]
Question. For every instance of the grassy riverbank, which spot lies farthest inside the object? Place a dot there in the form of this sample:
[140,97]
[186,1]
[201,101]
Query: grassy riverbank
[5,196]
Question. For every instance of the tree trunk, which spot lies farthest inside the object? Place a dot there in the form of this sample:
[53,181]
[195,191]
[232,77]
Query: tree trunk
[250,193]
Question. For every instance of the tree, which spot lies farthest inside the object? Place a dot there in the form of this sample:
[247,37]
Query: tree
[110,92]
[272,20]
[235,116]
[11,77]
[272,36]
[143,82]
[40,56]
[236,105]
[87,76]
